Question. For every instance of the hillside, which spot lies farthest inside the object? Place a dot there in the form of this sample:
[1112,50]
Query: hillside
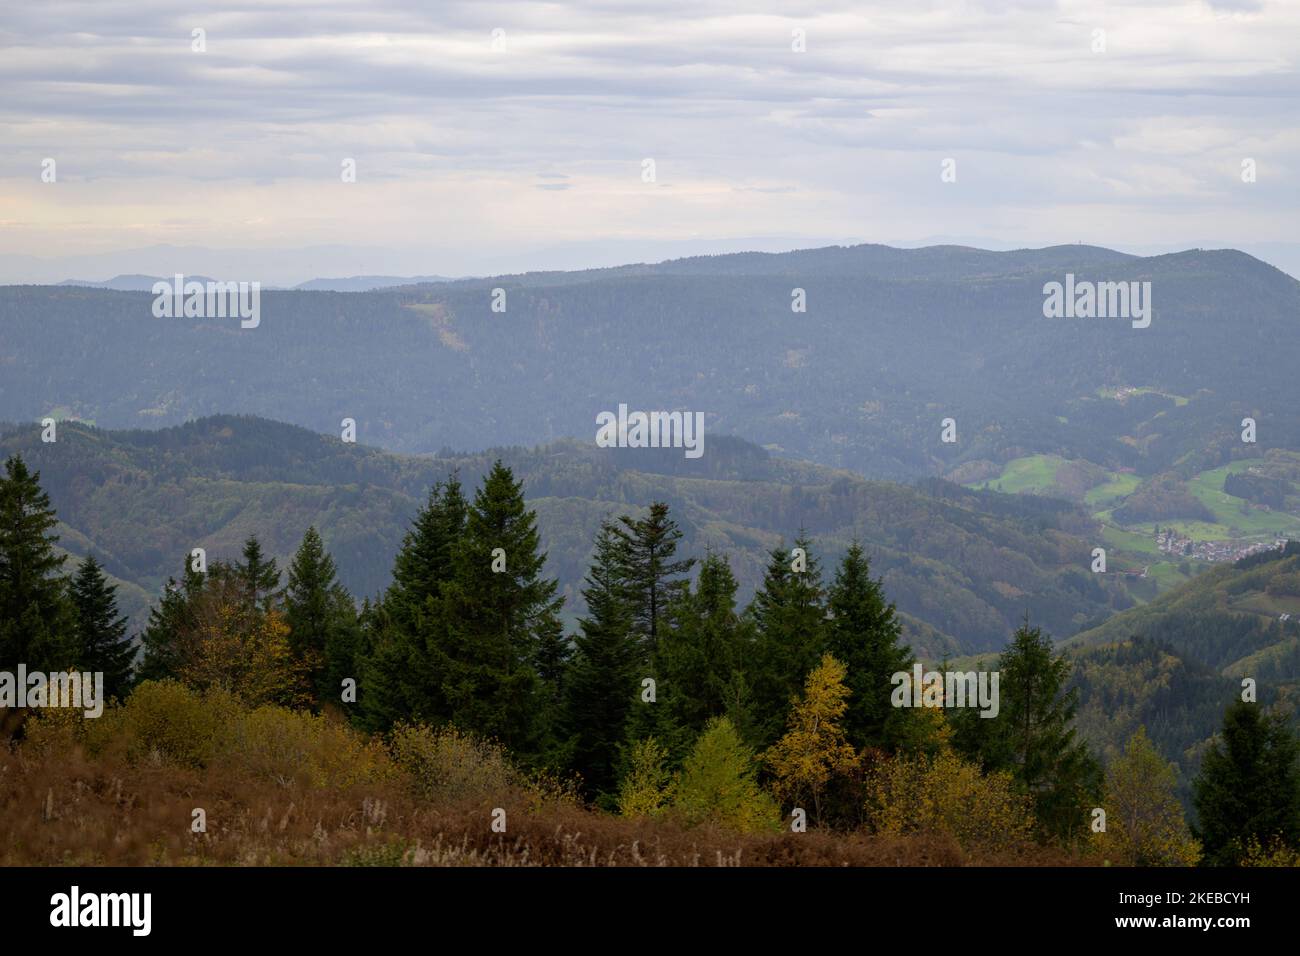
[893,341]
[963,566]
[1174,663]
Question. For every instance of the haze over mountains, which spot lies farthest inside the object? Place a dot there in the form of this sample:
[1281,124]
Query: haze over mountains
[893,341]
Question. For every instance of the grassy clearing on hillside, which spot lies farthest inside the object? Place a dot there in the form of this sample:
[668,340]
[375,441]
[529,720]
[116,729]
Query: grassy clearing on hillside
[1035,474]
[1111,492]
[1231,512]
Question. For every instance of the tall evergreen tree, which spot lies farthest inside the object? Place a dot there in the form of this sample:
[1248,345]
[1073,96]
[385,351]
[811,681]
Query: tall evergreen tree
[1248,790]
[101,630]
[258,575]
[1032,736]
[168,619]
[790,614]
[647,547]
[702,649]
[403,657]
[603,679]
[864,634]
[36,618]
[317,608]
[497,607]
[424,562]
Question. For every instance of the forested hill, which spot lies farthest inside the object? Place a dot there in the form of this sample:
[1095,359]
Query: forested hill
[963,566]
[891,343]
[1172,665]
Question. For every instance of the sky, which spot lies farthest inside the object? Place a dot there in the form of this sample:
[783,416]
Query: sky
[492,137]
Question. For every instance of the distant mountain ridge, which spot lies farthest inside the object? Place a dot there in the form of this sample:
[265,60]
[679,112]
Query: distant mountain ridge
[892,343]
[143,283]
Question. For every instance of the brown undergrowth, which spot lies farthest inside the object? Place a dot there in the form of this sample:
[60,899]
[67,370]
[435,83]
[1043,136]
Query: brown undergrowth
[278,788]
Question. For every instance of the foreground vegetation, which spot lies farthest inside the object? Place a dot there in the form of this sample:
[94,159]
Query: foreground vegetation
[452,720]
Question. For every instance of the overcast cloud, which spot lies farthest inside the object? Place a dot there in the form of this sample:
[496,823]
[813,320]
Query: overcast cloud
[470,158]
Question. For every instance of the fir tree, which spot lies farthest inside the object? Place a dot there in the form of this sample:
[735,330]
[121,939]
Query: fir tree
[790,615]
[864,634]
[258,575]
[101,631]
[497,607]
[1032,736]
[1248,790]
[703,648]
[404,658]
[652,576]
[37,620]
[424,562]
[160,653]
[316,608]
[602,680]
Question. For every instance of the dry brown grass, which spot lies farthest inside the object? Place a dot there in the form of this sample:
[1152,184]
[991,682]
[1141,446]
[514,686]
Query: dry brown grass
[76,810]
[280,788]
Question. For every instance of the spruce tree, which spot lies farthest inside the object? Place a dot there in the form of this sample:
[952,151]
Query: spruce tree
[702,650]
[259,576]
[647,547]
[497,607]
[316,606]
[1032,737]
[424,562]
[1248,790]
[603,678]
[37,620]
[865,636]
[101,631]
[790,615]
[160,656]
[404,655]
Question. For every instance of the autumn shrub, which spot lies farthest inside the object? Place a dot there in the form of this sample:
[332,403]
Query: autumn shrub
[718,784]
[280,744]
[1273,854]
[165,722]
[944,794]
[449,763]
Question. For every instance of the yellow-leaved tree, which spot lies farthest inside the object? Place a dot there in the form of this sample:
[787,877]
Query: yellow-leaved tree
[814,749]
[241,649]
[1144,820]
[942,793]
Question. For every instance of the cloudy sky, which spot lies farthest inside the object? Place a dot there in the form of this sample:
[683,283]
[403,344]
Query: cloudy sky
[475,156]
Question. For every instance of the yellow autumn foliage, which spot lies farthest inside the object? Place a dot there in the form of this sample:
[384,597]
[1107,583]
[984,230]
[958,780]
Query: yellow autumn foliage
[943,793]
[814,749]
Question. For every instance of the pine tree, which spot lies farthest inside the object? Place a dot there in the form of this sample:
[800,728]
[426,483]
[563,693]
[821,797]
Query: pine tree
[790,615]
[259,576]
[101,631]
[37,620]
[1248,790]
[646,552]
[865,635]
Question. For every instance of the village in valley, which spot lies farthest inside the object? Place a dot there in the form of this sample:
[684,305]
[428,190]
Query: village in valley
[1178,545]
